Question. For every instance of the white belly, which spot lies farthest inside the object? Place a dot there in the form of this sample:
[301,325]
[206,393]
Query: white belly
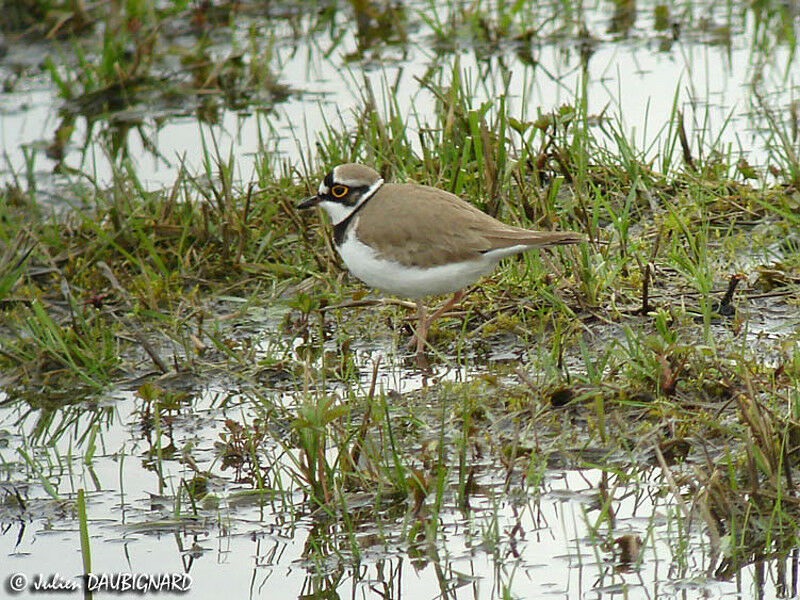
[411,282]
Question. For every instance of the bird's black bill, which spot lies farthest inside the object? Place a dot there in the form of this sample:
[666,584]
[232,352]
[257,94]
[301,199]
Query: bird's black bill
[309,202]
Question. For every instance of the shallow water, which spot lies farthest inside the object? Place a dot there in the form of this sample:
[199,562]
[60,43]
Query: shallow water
[547,538]
[533,545]
[708,62]
[532,542]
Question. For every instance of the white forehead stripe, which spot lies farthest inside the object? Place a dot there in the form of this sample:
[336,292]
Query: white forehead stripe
[348,181]
[323,189]
[351,182]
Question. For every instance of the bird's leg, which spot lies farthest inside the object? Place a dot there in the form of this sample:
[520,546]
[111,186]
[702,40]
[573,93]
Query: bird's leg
[420,335]
[446,306]
[424,323]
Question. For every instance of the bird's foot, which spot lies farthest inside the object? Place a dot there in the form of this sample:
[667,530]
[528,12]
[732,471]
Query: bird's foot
[422,362]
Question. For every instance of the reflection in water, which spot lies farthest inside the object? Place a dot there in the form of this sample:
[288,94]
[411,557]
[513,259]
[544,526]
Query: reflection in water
[559,531]
[324,58]
[196,481]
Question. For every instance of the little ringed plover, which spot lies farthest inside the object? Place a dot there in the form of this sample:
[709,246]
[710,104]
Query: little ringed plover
[413,240]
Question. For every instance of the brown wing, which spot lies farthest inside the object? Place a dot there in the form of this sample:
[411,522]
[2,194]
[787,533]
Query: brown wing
[423,226]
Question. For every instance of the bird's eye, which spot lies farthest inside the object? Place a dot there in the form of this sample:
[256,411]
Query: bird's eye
[339,191]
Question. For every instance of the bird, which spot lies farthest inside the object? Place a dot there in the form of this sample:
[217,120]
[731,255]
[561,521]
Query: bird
[413,241]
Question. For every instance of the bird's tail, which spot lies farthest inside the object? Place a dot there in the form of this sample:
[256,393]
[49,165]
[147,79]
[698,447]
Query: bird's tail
[559,238]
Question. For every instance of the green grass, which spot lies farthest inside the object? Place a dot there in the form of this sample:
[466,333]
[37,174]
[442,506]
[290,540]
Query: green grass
[620,358]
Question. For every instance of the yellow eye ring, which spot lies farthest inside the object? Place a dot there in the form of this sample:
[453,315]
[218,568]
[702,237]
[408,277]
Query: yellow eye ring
[339,191]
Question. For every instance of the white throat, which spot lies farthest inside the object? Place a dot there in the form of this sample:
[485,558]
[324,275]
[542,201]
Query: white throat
[338,212]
